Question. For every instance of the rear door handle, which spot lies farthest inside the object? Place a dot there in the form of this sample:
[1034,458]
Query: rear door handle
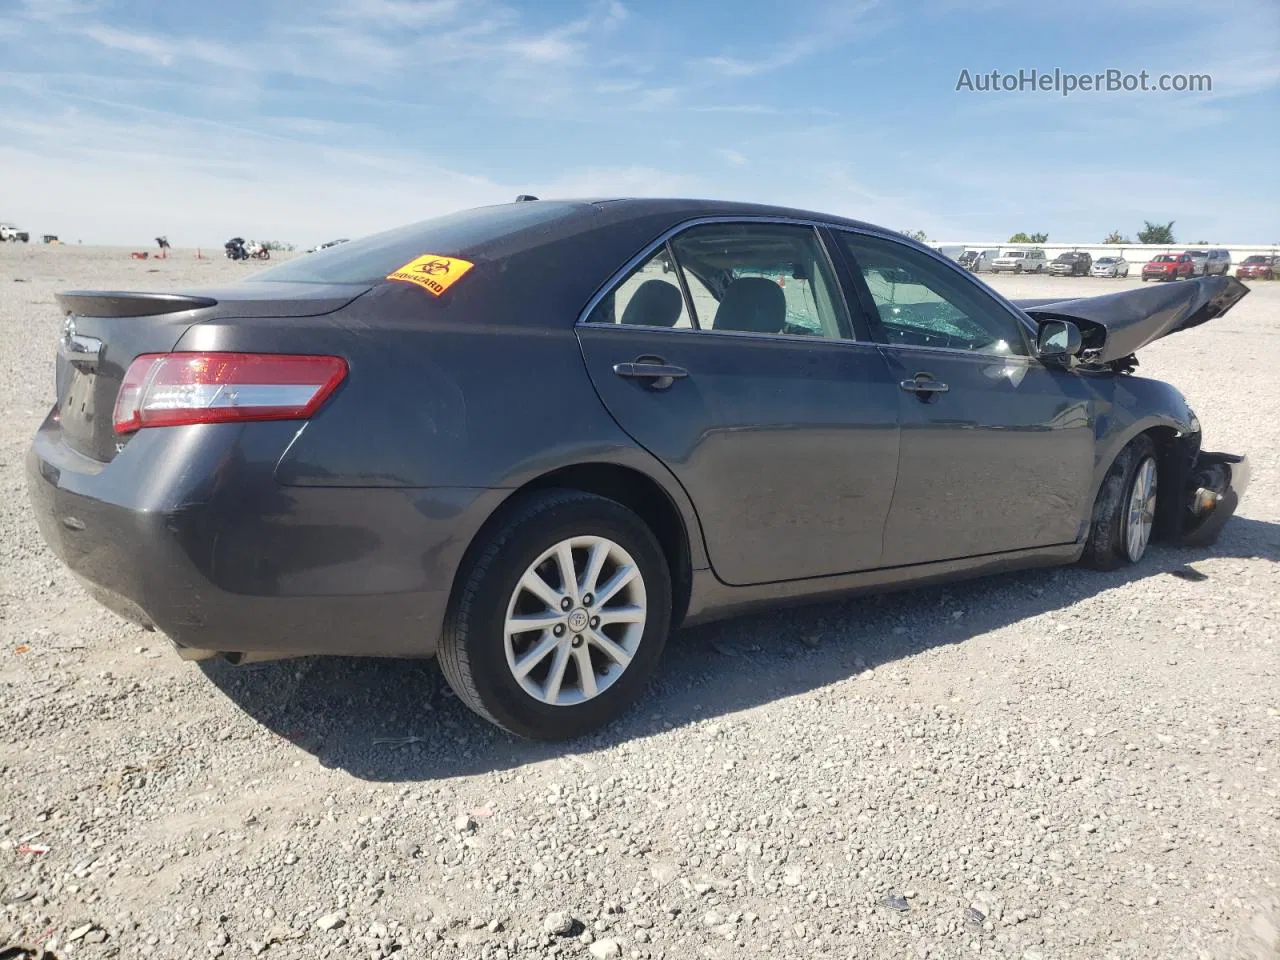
[660,374]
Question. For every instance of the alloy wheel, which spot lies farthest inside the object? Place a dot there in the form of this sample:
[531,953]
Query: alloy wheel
[1142,510]
[575,620]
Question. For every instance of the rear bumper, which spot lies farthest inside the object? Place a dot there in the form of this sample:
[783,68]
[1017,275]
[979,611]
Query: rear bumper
[187,531]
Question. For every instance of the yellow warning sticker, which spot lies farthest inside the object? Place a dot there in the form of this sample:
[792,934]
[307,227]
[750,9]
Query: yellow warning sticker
[432,272]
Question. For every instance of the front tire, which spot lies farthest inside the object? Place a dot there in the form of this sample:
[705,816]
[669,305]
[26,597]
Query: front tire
[559,616]
[1124,511]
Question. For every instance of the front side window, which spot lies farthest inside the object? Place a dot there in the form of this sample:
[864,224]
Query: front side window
[650,296]
[763,278]
[923,303]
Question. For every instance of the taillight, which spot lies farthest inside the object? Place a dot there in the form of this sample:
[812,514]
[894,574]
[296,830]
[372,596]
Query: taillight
[171,389]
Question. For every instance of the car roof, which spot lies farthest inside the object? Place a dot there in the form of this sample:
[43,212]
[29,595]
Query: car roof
[576,215]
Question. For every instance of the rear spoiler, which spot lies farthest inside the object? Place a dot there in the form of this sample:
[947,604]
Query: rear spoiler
[1117,325]
[117,303]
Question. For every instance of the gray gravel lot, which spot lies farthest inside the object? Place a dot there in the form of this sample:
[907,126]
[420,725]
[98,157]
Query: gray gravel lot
[1057,764]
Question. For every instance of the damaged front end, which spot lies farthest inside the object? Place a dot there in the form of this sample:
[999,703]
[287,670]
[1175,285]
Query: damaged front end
[1217,482]
[1112,329]
[1115,326]
[1209,488]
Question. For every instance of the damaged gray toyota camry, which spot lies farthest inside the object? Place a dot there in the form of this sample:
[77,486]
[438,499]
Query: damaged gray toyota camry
[534,438]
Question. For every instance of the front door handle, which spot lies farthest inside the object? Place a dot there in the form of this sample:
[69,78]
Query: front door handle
[922,385]
[653,369]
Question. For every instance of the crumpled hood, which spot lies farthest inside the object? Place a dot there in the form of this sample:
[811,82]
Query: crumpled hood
[1118,324]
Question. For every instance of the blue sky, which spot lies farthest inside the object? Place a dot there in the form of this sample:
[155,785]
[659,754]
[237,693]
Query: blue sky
[304,120]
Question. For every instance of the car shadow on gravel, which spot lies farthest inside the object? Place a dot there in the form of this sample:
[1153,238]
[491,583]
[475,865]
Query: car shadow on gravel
[396,720]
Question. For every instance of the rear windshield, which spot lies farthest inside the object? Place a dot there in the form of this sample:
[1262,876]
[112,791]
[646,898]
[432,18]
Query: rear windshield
[370,259]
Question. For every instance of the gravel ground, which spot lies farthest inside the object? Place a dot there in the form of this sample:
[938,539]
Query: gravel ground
[1057,764]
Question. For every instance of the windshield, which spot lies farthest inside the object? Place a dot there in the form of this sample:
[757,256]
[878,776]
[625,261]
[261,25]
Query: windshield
[1256,259]
[1165,258]
[1104,261]
[1016,255]
[370,259]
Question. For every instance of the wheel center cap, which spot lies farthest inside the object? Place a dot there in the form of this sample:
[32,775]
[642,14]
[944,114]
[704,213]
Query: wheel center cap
[578,620]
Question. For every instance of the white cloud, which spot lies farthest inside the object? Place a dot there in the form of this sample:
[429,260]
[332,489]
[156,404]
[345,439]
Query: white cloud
[732,157]
[164,51]
[103,176]
[813,29]
[395,13]
[635,181]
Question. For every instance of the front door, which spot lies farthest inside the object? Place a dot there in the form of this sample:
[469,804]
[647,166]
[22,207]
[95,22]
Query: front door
[997,449]
[728,355]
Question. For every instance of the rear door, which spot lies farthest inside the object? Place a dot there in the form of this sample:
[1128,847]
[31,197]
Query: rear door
[997,449]
[728,354]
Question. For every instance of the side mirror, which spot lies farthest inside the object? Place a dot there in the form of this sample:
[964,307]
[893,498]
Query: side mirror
[1058,341]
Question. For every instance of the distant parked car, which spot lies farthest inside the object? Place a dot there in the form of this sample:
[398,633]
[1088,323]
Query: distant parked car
[1217,261]
[1021,261]
[51,238]
[1110,267]
[977,261]
[1169,266]
[12,234]
[1260,266]
[1073,263]
[1199,262]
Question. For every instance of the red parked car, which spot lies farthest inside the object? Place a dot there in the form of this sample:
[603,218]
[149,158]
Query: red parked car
[1258,267]
[1169,266]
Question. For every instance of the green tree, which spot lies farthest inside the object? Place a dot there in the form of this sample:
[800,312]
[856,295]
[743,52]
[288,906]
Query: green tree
[1156,233]
[916,235]
[277,246]
[1021,237]
[1116,237]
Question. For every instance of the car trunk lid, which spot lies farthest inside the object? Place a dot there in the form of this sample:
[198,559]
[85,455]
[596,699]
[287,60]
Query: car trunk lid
[104,330]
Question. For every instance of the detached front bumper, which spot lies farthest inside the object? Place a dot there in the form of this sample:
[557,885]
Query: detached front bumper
[1217,483]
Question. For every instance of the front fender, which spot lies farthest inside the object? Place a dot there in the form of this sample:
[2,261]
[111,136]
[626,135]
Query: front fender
[1136,405]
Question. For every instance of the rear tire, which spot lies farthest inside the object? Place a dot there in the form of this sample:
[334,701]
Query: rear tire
[1109,545]
[496,670]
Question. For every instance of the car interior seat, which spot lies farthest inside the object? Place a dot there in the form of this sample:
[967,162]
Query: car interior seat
[752,305]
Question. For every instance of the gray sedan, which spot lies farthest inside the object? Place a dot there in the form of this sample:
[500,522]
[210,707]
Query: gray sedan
[534,438]
[1110,267]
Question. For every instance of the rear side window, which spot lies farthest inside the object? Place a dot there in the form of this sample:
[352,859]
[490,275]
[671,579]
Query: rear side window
[370,259]
[650,296]
[765,278]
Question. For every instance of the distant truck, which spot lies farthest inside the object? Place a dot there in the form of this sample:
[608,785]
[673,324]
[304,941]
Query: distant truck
[10,233]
